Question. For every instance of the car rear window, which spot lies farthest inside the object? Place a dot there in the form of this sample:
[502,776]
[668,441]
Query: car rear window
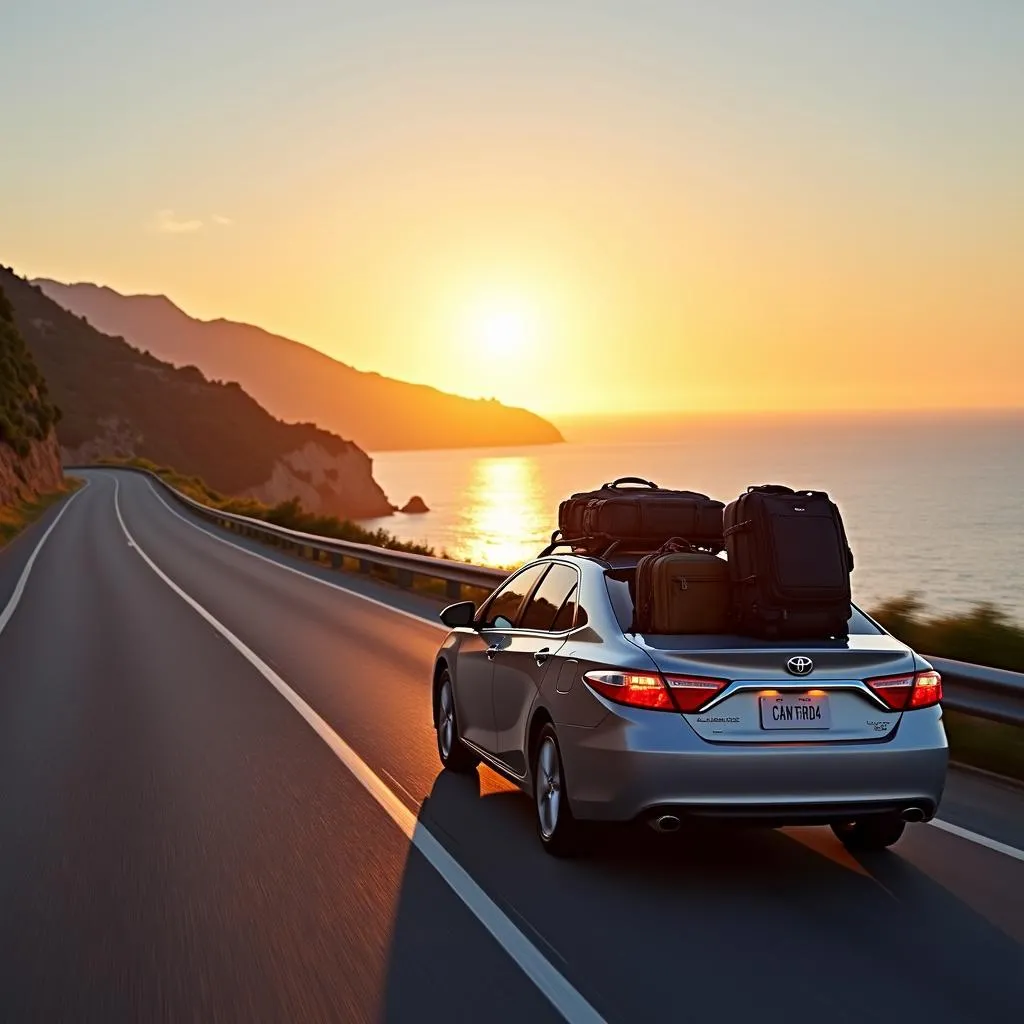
[620,592]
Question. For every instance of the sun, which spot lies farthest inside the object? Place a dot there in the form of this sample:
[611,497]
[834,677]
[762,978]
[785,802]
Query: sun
[503,330]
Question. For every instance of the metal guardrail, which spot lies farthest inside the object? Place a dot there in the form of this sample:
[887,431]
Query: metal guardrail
[405,565]
[991,693]
[975,690]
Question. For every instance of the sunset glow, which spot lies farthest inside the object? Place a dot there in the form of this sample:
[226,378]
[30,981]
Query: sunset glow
[503,330]
[681,210]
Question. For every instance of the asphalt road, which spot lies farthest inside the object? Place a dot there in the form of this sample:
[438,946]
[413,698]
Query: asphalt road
[221,801]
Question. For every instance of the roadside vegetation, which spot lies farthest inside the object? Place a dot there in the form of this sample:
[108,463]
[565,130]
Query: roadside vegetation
[26,412]
[14,518]
[984,635]
[289,514]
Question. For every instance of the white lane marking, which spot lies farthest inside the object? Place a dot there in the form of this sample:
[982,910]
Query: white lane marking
[551,983]
[19,587]
[292,569]
[974,837]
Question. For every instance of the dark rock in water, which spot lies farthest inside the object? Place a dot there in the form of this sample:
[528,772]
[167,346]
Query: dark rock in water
[415,506]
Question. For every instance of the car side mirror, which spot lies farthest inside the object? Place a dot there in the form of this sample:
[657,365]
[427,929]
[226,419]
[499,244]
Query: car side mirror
[459,615]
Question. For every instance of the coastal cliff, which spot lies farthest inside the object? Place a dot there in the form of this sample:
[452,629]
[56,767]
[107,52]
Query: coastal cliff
[29,457]
[119,402]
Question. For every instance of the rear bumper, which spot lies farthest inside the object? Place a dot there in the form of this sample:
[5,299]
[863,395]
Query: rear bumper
[641,763]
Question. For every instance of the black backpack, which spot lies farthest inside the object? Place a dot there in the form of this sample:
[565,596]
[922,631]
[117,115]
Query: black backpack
[789,562]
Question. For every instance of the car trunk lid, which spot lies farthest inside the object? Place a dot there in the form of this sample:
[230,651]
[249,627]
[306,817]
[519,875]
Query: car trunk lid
[809,692]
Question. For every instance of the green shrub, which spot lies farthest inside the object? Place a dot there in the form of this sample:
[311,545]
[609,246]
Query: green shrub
[985,635]
[26,413]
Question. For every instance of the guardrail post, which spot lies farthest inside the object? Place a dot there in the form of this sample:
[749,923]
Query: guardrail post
[403,577]
[453,590]
[364,565]
[335,559]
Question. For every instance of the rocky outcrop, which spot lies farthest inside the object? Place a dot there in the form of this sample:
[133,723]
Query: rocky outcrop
[29,459]
[415,506]
[25,477]
[339,483]
[117,439]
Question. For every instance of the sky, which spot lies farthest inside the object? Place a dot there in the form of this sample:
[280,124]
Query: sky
[578,207]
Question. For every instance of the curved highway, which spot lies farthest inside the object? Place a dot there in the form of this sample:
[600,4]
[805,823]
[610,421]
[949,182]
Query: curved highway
[221,801]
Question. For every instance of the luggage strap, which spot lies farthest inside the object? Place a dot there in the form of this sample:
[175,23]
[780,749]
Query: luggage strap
[736,527]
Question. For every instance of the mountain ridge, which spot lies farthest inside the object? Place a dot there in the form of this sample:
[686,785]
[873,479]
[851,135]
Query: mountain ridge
[297,382]
[118,401]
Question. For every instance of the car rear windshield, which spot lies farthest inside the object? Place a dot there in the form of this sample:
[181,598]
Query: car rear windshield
[620,591]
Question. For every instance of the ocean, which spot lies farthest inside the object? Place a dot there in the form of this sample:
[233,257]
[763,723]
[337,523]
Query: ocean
[932,504]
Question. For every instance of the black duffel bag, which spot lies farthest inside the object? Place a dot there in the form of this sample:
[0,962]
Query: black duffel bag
[635,511]
[790,563]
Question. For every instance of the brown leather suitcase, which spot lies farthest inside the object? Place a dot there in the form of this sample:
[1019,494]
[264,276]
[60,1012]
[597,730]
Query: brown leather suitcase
[682,591]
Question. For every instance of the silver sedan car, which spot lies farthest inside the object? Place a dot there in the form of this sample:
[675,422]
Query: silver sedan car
[548,685]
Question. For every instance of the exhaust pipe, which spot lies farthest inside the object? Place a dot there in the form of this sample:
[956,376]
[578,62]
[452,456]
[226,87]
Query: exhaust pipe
[665,823]
[913,814]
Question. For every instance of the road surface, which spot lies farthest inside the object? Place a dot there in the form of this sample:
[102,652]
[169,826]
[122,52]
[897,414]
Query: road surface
[221,801]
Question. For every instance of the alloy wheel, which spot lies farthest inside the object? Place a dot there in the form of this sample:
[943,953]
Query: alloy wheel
[446,719]
[549,787]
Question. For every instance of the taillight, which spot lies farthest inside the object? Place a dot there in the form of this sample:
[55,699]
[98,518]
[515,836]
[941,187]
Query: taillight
[927,690]
[908,691]
[653,691]
[691,693]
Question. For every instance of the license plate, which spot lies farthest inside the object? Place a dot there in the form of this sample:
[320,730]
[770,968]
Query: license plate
[795,711]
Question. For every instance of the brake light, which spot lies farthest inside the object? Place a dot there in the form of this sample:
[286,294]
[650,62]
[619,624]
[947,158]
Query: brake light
[927,690]
[911,690]
[653,691]
[691,693]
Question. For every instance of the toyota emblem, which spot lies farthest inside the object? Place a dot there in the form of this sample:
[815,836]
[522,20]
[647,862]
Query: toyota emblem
[800,666]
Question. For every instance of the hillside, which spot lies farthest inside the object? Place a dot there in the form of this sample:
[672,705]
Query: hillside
[297,382]
[120,402]
[29,458]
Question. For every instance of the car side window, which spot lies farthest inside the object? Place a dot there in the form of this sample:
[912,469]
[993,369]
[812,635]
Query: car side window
[502,611]
[571,614]
[548,599]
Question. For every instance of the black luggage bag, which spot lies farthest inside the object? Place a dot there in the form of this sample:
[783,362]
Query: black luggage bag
[643,515]
[790,563]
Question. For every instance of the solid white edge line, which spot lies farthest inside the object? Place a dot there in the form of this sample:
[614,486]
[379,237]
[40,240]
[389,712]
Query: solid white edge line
[288,568]
[549,981]
[974,837]
[19,587]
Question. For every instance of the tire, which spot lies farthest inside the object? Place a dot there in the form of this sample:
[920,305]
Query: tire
[455,755]
[870,833]
[560,833]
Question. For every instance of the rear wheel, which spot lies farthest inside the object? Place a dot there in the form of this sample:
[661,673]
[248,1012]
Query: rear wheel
[560,833]
[870,833]
[454,754]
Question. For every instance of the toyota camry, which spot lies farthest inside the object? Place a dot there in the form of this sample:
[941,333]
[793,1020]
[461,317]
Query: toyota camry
[546,683]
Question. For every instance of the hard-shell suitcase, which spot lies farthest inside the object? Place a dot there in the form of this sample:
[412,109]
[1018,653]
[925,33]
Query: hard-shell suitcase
[790,563]
[680,590]
[644,513]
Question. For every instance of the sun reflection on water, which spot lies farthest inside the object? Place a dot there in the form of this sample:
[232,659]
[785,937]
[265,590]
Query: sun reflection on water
[504,504]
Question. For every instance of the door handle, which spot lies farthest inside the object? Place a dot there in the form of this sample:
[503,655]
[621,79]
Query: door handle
[542,656]
[492,651]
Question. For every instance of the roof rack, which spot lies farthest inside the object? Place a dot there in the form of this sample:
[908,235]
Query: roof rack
[586,545]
